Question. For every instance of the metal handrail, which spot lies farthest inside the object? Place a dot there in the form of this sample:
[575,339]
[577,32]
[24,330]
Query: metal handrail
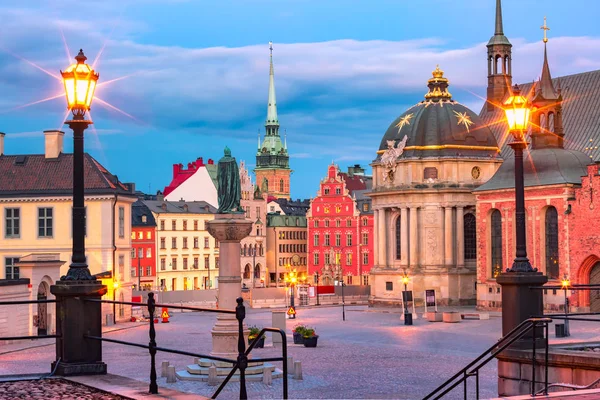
[10,303]
[173,306]
[515,334]
[570,386]
[33,337]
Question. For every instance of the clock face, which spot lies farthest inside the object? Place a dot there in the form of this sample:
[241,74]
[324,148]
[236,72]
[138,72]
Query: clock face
[475,172]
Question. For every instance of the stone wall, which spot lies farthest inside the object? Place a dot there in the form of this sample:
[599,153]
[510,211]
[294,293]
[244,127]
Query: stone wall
[15,320]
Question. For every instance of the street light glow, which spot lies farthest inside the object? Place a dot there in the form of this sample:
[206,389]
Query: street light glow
[80,83]
[517,111]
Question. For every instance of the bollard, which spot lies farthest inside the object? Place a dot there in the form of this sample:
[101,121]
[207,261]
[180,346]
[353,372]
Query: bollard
[163,369]
[268,376]
[278,321]
[212,376]
[297,370]
[171,374]
[290,365]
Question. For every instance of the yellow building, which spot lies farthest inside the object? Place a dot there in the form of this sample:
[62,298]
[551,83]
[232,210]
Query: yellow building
[187,256]
[36,203]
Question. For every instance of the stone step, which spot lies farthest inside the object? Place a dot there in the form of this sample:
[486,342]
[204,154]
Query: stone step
[186,376]
[205,362]
[251,370]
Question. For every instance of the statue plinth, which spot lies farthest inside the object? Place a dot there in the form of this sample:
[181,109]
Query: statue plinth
[229,230]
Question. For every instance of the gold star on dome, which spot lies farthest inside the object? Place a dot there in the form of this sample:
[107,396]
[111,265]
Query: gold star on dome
[404,121]
[463,119]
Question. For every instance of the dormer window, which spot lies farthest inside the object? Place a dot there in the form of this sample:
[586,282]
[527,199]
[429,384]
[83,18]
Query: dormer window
[144,219]
[338,190]
[326,190]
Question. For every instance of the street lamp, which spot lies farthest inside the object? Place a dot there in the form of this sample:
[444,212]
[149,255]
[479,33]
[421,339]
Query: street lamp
[80,82]
[291,278]
[565,285]
[407,315]
[115,287]
[317,278]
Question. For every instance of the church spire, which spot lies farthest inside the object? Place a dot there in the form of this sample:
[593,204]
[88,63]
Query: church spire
[546,86]
[272,107]
[499,29]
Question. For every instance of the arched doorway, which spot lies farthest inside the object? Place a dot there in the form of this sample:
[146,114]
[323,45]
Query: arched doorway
[257,271]
[595,294]
[247,271]
[42,309]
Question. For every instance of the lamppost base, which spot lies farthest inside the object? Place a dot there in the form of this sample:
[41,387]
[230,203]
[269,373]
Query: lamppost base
[521,264]
[408,320]
[78,272]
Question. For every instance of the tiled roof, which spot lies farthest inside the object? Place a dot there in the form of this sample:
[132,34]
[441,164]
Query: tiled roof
[356,182]
[581,114]
[279,220]
[138,210]
[36,175]
[294,207]
[178,207]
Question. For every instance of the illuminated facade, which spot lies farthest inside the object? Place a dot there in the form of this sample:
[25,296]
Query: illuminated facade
[143,243]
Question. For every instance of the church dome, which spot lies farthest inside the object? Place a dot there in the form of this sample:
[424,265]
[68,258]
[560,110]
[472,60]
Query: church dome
[440,127]
[549,166]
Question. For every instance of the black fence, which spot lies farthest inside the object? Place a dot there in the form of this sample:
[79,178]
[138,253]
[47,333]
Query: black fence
[13,303]
[241,363]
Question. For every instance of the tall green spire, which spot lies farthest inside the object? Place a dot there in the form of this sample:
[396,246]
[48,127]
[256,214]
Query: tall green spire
[272,108]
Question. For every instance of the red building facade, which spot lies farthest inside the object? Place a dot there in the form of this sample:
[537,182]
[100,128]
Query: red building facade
[143,247]
[340,233]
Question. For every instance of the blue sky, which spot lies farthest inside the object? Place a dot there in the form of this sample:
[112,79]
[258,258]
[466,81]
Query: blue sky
[197,72]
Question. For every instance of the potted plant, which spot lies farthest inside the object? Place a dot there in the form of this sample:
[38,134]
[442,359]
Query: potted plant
[310,337]
[254,331]
[297,332]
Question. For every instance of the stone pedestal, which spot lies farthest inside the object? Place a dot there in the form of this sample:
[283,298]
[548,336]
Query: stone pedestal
[278,318]
[75,318]
[229,230]
[519,303]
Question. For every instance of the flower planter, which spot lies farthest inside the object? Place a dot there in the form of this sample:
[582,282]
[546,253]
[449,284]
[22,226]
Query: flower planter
[434,316]
[451,317]
[260,344]
[298,339]
[311,341]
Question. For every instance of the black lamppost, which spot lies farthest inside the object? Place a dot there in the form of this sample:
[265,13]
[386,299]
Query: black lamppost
[80,82]
[317,278]
[405,299]
[139,270]
[519,301]
[565,285]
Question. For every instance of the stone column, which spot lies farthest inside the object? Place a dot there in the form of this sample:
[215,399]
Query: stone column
[229,230]
[76,317]
[414,237]
[448,243]
[390,243]
[381,237]
[376,238]
[460,237]
[404,236]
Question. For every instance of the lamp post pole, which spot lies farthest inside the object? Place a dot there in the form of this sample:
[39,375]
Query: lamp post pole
[317,276]
[343,301]
[139,272]
[565,284]
[253,265]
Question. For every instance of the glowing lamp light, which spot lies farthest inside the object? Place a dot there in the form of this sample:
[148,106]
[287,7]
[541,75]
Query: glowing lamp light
[80,83]
[565,282]
[405,279]
[115,285]
[517,110]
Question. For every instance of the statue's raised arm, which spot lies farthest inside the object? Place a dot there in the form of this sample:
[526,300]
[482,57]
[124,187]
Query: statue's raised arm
[228,178]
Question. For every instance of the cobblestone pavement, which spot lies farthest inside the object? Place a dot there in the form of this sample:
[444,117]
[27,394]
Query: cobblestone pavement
[370,355]
[51,389]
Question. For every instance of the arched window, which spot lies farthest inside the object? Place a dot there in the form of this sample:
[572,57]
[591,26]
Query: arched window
[543,125]
[398,239]
[281,185]
[551,122]
[257,271]
[552,243]
[497,64]
[470,236]
[496,241]
[505,70]
[247,271]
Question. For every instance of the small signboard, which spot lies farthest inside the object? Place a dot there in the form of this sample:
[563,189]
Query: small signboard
[311,291]
[430,300]
[291,312]
[407,296]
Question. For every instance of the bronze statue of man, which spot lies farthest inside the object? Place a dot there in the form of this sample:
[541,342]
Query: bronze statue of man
[228,178]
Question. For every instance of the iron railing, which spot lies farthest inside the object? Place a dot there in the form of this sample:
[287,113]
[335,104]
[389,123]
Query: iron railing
[12,303]
[472,369]
[241,363]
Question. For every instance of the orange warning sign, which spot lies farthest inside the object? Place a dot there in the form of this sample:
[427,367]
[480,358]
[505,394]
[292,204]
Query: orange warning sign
[291,312]
[165,315]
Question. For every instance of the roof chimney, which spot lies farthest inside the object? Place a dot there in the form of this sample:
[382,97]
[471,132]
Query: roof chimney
[1,143]
[54,143]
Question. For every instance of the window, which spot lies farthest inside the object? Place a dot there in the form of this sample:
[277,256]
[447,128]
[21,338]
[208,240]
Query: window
[206,262]
[348,258]
[195,225]
[10,268]
[162,243]
[348,239]
[349,279]
[338,190]
[216,262]
[257,212]
[196,242]
[327,258]
[148,271]
[162,225]
[315,240]
[338,223]
[141,253]
[12,222]
[365,238]
[326,190]
[327,239]
[132,235]
[148,235]
[470,239]
[216,244]
[552,243]
[316,258]
[338,239]
[144,219]
[365,207]
[496,240]
[173,225]
[174,263]
[206,243]
[281,185]
[365,258]
[326,223]
[121,265]
[398,239]
[389,286]
[140,235]
[326,209]
[338,209]
[132,253]
[248,212]
[365,222]
[195,262]
[173,243]
[163,264]
[316,224]
[133,272]
[366,280]
[185,243]
[185,263]
[121,222]
[348,223]
[185,224]
[148,252]
[45,222]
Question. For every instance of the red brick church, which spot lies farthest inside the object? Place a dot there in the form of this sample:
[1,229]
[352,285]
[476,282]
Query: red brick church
[561,182]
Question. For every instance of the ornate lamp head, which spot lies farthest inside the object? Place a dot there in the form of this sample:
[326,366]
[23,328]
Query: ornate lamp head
[80,83]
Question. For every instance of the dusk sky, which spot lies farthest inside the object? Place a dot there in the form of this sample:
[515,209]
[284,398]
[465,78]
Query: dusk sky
[196,72]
